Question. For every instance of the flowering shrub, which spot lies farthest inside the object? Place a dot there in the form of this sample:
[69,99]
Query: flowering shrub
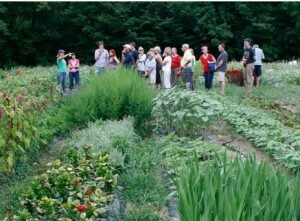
[77,190]
[235,76]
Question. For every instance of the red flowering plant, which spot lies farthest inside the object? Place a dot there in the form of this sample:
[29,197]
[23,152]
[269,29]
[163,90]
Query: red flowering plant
[70,191]
[235,76]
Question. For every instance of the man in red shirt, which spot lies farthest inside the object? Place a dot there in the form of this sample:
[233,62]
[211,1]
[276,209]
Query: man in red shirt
[175,67]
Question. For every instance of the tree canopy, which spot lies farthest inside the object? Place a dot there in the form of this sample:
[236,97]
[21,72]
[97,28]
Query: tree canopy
[32,32]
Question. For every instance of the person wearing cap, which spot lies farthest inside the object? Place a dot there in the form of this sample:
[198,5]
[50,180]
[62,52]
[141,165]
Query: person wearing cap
[259,56]
[127,58]
[207,60]
[186,65]
[101,58]
[221,66]
[175,67]
[248,60]
[166,67]
[140,63]
[73,65]
[62,69]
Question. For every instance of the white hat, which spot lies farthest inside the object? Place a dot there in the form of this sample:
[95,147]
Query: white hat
[127,46]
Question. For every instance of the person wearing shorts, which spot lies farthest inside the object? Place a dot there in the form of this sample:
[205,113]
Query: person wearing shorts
[259,56]
[186,65]
[221,66]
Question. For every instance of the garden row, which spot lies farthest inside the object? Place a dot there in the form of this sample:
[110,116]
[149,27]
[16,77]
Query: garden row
[189,113]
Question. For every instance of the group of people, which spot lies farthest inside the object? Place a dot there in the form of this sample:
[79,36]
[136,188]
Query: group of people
[167,67]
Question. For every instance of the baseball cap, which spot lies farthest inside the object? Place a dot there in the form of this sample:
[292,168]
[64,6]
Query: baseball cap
[61,51]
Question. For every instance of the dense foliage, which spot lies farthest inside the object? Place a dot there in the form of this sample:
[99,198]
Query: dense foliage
[79,189]
[237,190]
[31,33]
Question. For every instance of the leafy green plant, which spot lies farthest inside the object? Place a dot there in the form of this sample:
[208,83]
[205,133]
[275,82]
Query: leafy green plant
[78,190]
[236,190]
[187,113]
[113,95]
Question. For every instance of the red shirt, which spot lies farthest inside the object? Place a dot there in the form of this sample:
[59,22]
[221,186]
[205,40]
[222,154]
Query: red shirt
[205,61]
[75,64]
[175,61]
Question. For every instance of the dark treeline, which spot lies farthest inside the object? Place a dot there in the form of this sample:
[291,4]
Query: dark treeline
[31,33]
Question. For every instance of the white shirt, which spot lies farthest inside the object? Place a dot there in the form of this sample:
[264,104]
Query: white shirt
[167,66]
[187,56]
[141,62]
[151,66]
[259,55]
[102,61]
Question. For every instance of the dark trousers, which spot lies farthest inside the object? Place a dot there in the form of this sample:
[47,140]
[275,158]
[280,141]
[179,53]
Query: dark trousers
[209,76]
[74,76]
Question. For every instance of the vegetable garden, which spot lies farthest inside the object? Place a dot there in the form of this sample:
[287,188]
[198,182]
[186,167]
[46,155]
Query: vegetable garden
[118,150]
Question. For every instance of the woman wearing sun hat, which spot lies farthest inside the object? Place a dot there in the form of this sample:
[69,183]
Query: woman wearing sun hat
[208,65]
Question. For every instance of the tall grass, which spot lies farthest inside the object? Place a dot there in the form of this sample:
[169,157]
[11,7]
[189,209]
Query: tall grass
[113,95]
[241,190]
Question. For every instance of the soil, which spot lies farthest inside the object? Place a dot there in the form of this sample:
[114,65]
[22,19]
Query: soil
[236,144]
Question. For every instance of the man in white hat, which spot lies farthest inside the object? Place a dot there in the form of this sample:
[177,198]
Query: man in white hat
[127,57]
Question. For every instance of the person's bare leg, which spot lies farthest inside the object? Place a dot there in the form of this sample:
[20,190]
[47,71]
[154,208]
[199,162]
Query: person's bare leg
[222,87]
[257,81]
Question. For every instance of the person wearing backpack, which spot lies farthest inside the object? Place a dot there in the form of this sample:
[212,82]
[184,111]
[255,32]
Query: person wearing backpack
[73,65]
[61,69]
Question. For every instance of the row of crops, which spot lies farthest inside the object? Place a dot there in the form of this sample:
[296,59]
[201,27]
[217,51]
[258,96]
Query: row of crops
[159,151]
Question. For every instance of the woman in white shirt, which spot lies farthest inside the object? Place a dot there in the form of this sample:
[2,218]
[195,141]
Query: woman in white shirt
[150,68]
[140,63]
[166,67]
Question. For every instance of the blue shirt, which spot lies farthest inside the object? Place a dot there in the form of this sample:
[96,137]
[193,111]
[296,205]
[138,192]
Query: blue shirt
[128,60]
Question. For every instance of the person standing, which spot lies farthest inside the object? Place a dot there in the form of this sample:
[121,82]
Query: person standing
[101,58]
[140,63]
[221,66]
[208,72]
[166,67]
[150,68]
[158,60]
[113,60]
[134,52]
[259,56]
[175,67]
[127,56]
[186,65]
[62,69]
[193,70]
[248,60]
[73,65]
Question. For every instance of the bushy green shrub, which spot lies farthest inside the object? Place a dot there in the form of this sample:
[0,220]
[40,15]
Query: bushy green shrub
[237,190]
[113,95]
[77,190]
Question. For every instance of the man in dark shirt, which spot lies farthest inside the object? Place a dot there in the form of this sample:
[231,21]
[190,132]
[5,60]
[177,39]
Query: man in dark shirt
[134,52]
[248,60]
[221,66]
[127,57]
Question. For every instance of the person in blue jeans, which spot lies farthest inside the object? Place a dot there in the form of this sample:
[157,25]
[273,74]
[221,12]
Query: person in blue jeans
[73,65]
[62,69]
[208,65]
